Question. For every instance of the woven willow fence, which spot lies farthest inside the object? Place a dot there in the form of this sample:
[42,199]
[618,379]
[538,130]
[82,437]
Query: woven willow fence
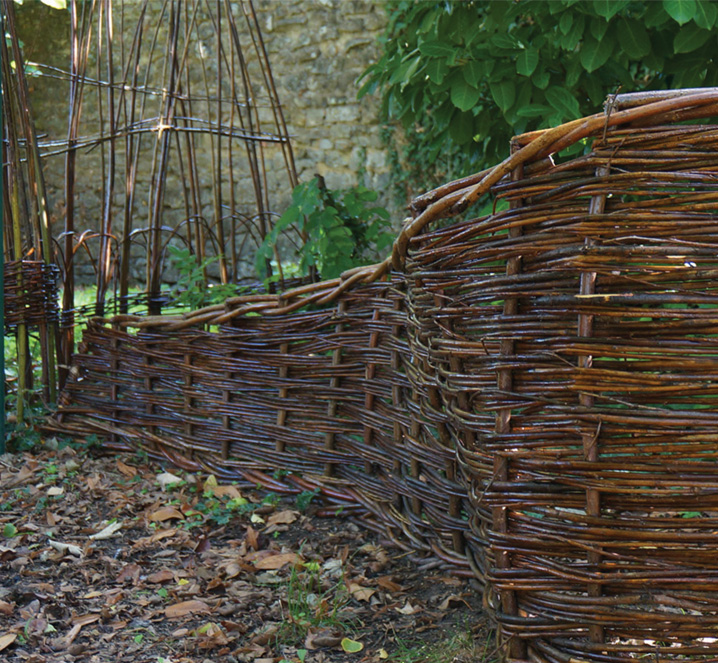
[531,396]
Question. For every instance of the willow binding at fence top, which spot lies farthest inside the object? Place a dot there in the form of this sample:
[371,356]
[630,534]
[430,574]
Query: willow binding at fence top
[529,396]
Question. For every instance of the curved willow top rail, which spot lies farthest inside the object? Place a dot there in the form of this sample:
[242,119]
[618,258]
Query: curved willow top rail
[531,150]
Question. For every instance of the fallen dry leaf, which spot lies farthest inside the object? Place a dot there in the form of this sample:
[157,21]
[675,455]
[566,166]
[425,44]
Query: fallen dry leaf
[274,562]
[210,636]
[157,536]
[226,491]
[129,572]
[232,570]
[6,608]
[66,548]
[84,620]
[408,609]
[323,638]
[55,491]
[453,601]
[265,635]
[165,575]
[7,639]
[192,607]
[252,538]
[283,517]
[22,476]
[68,639]
[360,593]
[107,532]
[51,518]
[166,513]
[127,470]
[388,585]
[167,479]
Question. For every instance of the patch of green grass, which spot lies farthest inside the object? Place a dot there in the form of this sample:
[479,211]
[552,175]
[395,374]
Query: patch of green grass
[460,647]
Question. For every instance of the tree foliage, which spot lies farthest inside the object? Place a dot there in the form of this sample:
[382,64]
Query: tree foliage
[463,77]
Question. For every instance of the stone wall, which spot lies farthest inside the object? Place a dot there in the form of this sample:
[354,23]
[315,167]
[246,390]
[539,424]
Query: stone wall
[317,49]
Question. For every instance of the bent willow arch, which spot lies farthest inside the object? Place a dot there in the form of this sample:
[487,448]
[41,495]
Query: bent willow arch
[528,395]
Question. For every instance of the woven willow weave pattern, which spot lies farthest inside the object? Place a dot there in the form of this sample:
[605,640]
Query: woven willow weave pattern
[531,395]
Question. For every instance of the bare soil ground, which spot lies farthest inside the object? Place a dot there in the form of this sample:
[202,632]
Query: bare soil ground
[116,559]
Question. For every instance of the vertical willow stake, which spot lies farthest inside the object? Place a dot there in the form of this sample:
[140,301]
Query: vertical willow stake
[2,278]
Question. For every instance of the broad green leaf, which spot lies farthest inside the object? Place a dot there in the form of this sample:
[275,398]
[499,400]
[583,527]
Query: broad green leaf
[504,68]
[598,28]
[524,94]
[706,14]
[656,16]
[436,70]
[437,49]
[608,8]
[527,61]
[351,646]
[463,95]
[570,41]
[290,216]
[595,91]
[533,110]
[566,22]
[541,79]
[502,40]
[633,38]
[461,128]
[411,70]
[473,72]
[680,11]
[594,54]
[9,531]
[689,38]
[655,60]
[563,102]
[573,71]
[483,123]
[504,94]
[402,72]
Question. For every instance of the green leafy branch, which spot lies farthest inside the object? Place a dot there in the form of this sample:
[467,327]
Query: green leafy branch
[342,230]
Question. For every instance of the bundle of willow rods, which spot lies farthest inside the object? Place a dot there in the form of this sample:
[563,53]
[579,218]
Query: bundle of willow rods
[548,372]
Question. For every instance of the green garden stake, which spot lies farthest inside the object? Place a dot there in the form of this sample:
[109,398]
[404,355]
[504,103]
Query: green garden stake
[2,290]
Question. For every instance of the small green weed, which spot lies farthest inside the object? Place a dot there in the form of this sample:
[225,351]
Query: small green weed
[304,499]
[219,510]
[192,289]
[312,602]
